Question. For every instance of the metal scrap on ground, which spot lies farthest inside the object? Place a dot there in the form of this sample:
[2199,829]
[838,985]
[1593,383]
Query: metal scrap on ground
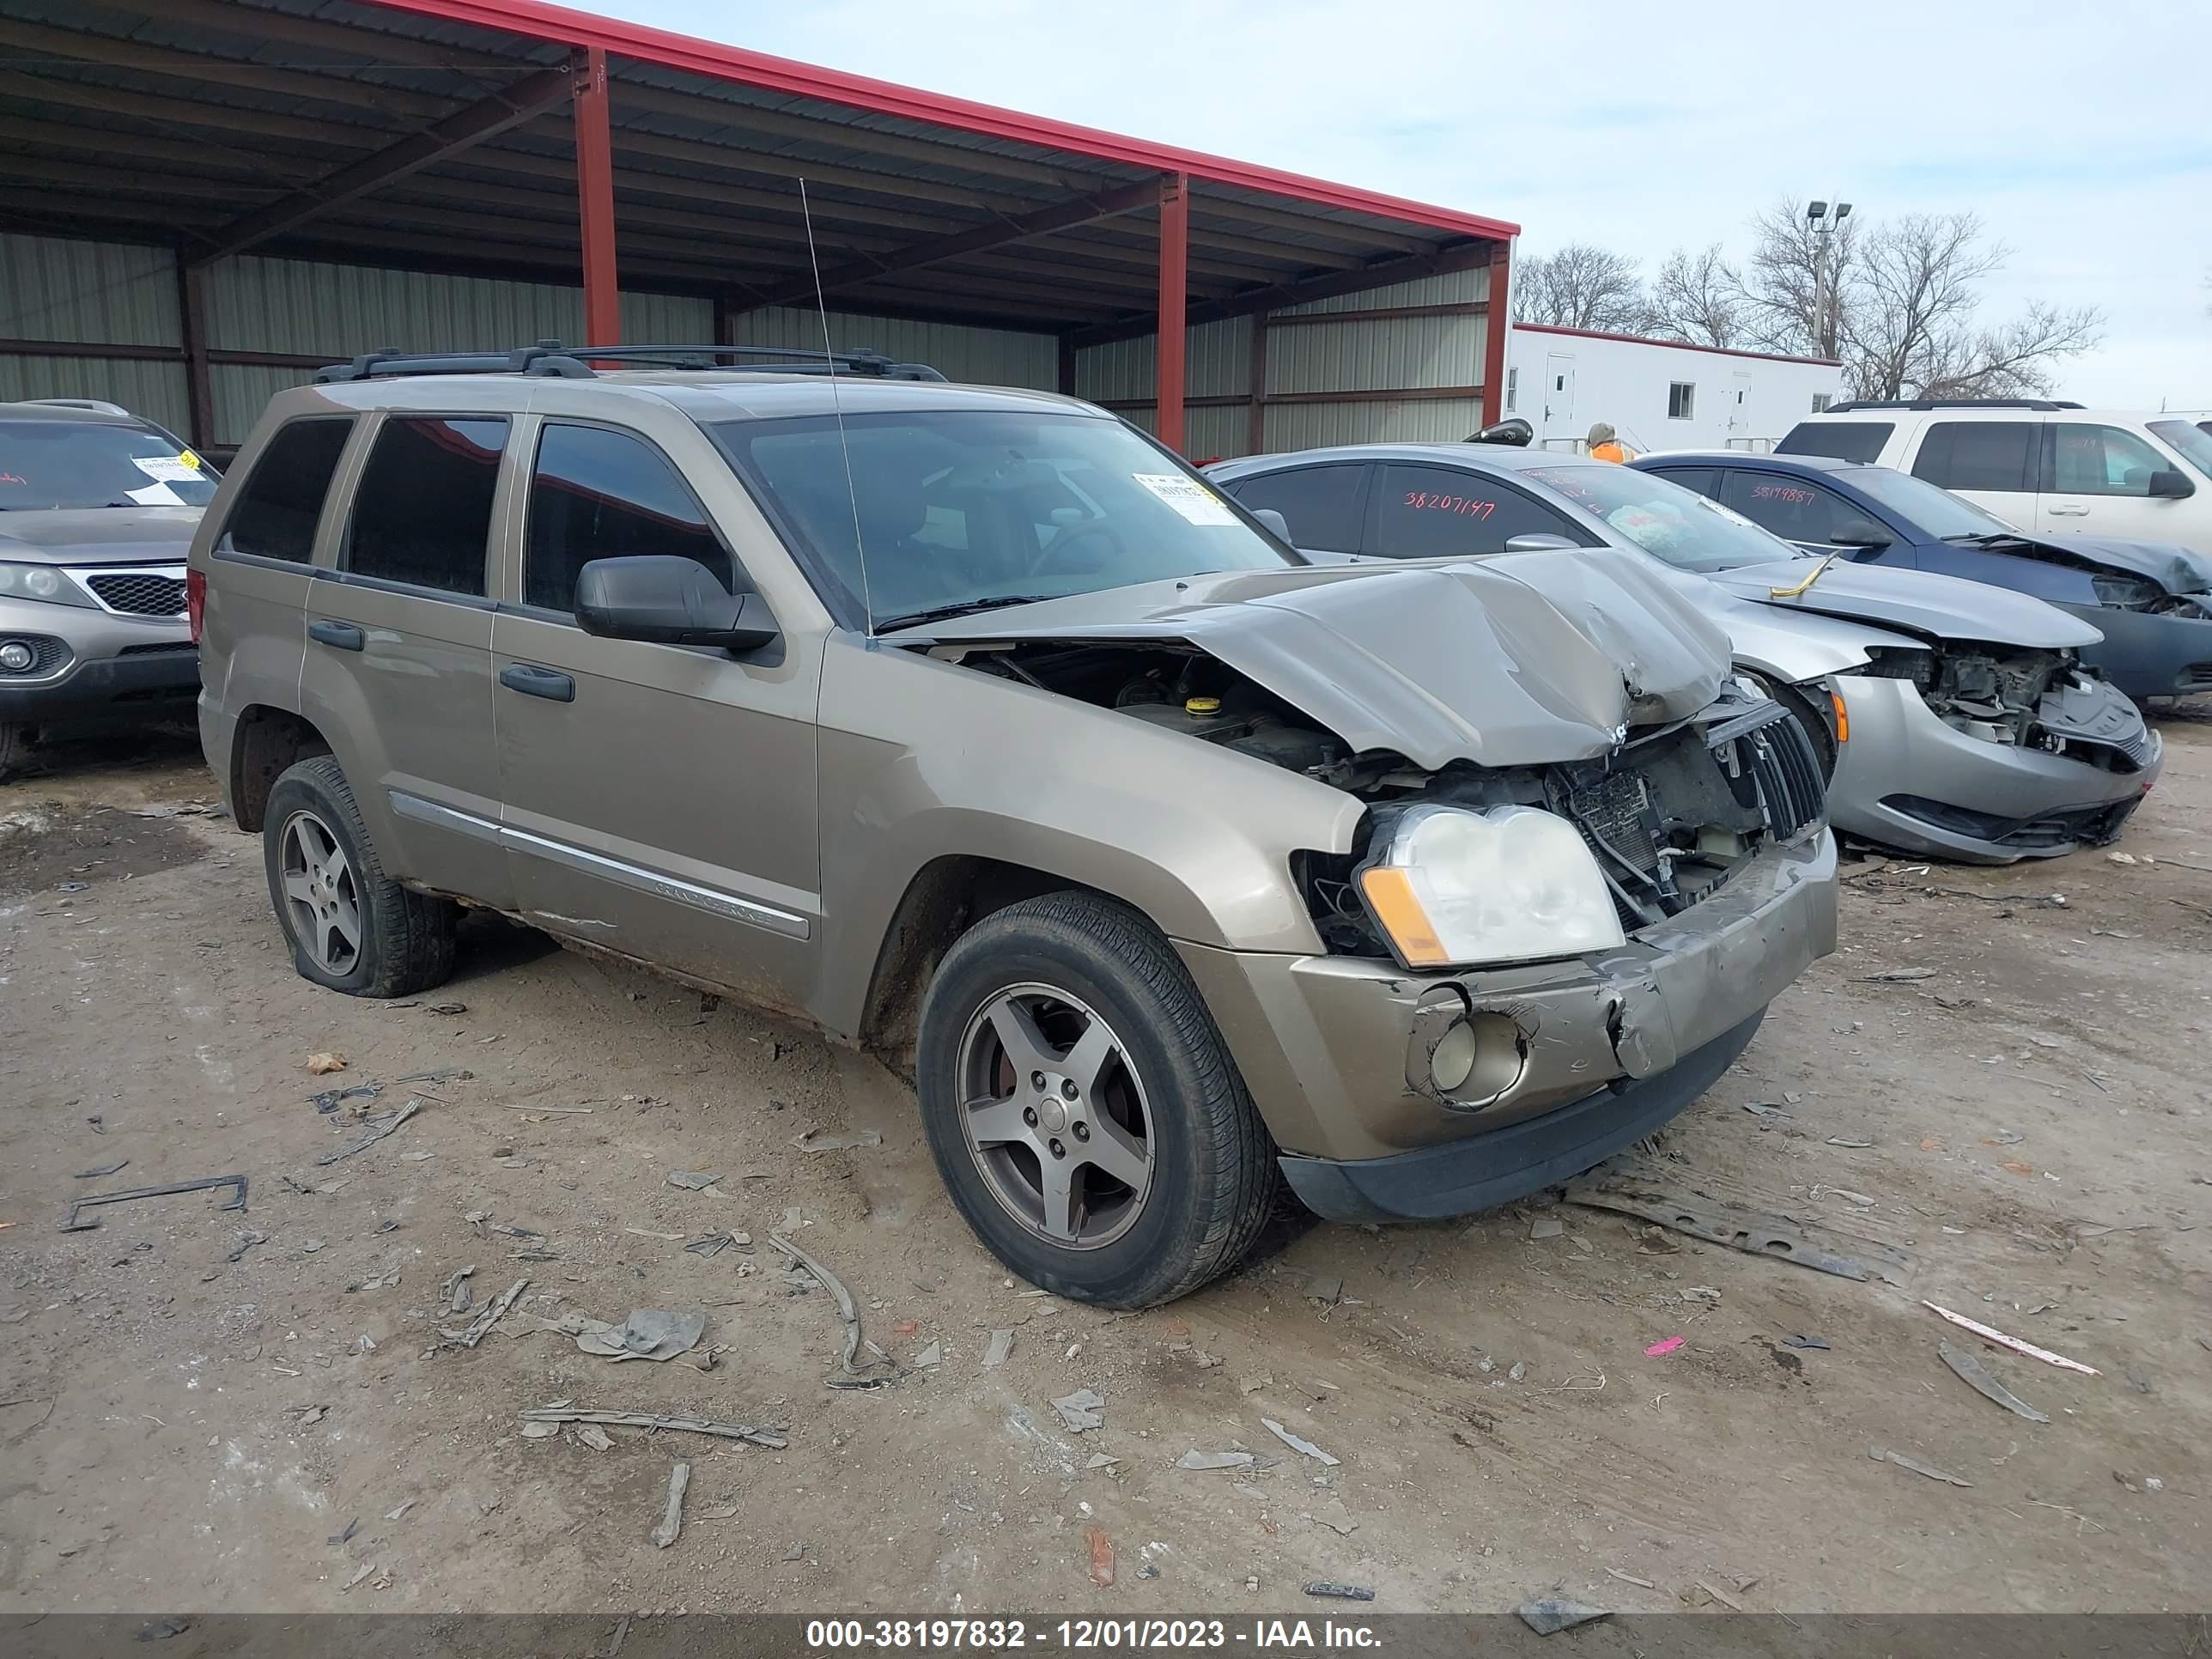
[671,1519]
[1341,1592]
[768,1437]
[1976,1376]
[1629,1185]
[1989,1334]
[846,1311]
[72,1224]
[379,1128]
[481,1325]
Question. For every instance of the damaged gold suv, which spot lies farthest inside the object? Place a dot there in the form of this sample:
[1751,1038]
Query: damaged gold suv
[973,726]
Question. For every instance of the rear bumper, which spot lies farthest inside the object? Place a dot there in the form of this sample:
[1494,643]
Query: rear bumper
[2148,656]
[1515,1159]
[1907,781]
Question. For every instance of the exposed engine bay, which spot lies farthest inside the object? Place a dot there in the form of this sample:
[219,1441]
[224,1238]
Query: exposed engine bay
[1667,814]
[2026,699]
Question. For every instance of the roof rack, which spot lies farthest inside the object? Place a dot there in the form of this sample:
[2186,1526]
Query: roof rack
[550,358]
[93,405]
[1950,403]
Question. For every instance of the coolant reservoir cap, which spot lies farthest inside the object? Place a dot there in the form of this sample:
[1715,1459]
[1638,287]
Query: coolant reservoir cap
[1201,706]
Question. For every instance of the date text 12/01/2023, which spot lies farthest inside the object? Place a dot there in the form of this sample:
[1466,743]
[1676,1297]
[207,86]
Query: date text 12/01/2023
[1291,1636]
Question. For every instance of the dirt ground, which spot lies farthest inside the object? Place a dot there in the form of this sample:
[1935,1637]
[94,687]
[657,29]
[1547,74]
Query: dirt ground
[184,1426]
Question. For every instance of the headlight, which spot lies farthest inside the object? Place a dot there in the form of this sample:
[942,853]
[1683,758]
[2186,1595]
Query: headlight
[2128,593]
[44,582]
[1450,888]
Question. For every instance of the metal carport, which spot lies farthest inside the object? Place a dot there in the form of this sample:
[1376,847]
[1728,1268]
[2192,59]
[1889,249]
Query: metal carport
[523,142]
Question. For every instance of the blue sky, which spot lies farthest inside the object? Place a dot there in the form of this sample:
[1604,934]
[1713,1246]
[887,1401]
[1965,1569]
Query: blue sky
[2076,130]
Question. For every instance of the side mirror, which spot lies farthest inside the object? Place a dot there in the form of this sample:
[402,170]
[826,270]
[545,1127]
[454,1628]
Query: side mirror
[2171,482]
[1275,522]
[1859,532]
[1538,541]
[668,601]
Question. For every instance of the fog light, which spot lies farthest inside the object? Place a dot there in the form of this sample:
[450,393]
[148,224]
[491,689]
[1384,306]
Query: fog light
[16,657]
[1452,1062]
[1477,1060]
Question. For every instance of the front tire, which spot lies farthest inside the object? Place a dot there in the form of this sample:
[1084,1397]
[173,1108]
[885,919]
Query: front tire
[1083,1109]
[351,927]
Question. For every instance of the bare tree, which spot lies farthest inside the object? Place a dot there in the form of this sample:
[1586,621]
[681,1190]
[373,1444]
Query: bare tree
[1899,302]
[1697,298]
[1579,287]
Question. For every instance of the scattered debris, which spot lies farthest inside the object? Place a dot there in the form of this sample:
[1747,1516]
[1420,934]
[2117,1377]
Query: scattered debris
[448,1009]
[1896,976]
[1719,1595]
[1548,1616]
[647,1232]
[595,1437]
[331,1099]
[481,1325]
[846,1311]
[1546,1226]
[1976,1376]
[768,1437]
[1333,1516]
[1667,1347]
[1002,1343]
[378,1128]
[457,1292]
[394,1514]
[1082,1410]
[1817,1342]
[246,1241]
[1762,1109]
[713,1244]
[237,1200]
[443,1074]
[1220,1460]
[1881,1454]
[1328,1291]
[1304,1447]
[1638,1187]
[671,1519]
[367,1568]
[1102,1460]
[99,1170]
[1989,1334]
[2138,1382]
[1101,1559]
[1341,1592]
[322,1065]
[646,1333]
[932,1355]
[815,1141]
[1631,1578]
[692,1180]
[1520,1371]
[1856,1146]
[351,1527]
[161,1629]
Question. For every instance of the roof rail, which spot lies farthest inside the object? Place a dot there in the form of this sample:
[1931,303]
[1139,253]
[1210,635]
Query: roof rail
[1949,402]
[551,358]
[96,405]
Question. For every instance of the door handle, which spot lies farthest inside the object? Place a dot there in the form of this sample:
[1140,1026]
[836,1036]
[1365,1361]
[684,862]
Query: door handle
[343,635]
[533,682]
[2067,512]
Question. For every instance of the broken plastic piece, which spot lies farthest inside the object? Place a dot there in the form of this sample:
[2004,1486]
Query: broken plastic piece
[768,1437]
[1633,1186]
[1341,1592]
[377,1132]
[1883,1454]
[1976,1376]
[1989,1334]
[1666,1347]
[671,1519]
[1547,1615]
[1081,1410]
[1306,1447]
[1221,1460]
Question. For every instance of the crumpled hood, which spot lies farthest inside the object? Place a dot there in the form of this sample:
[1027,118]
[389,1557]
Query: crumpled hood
[1918,601]
[1504,662]
[2177,569]
[98,535]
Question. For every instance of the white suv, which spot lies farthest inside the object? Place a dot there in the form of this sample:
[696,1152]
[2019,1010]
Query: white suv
[2047,467]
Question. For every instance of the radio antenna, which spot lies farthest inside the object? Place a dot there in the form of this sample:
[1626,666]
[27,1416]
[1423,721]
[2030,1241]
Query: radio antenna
[837,404]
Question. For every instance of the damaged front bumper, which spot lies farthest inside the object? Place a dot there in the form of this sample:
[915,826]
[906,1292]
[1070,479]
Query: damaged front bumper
[1909,780]
[2149,654]
[1564,1063]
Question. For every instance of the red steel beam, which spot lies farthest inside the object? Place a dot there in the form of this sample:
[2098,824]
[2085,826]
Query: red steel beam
[1496,325]
[1174,282]
[595,201]
[526,100]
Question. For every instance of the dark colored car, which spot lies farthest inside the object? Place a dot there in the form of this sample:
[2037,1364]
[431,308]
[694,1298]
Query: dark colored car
[2152,601]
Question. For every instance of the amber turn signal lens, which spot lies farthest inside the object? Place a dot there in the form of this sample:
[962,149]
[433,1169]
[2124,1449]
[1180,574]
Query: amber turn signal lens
[1389,894]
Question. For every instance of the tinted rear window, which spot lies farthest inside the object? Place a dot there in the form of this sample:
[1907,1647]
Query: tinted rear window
[1979,454]
[1321,504]
[275,511]
[1844,440]
[422,513]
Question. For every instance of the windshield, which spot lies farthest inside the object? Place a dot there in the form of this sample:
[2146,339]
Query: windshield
[1932,510]
[2190,438]
[50,463]
[968,508]
[1666,520]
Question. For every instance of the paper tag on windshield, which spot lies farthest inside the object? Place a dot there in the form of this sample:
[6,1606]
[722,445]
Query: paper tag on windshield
[156,494]
[167,469]
[1197,504]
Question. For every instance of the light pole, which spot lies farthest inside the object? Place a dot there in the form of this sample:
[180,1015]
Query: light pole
[1822,218]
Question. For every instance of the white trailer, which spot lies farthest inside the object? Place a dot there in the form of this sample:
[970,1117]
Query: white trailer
[1658,394]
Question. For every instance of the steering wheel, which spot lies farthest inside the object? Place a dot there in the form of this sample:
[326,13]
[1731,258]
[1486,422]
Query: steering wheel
[1055,551]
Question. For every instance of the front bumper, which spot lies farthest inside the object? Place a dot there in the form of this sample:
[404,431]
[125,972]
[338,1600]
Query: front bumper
[1336,1050]
[1906,780]
[2147,655]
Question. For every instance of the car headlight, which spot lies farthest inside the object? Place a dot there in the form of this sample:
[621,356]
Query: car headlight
[1451,888]
[2127,592]
[42,582]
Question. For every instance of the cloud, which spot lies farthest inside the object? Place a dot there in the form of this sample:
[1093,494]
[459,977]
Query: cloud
[2074,130]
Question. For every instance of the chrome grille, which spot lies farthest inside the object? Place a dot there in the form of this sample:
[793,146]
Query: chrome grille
[1787,774]
[140,593]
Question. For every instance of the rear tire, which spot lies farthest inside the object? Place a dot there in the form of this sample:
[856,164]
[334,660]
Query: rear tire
[351,927]
[1164,1174]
